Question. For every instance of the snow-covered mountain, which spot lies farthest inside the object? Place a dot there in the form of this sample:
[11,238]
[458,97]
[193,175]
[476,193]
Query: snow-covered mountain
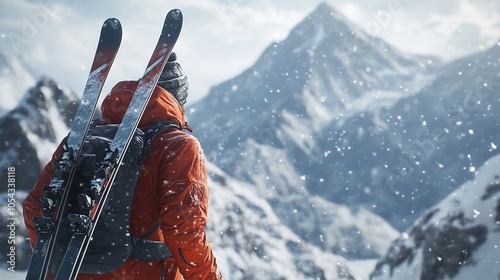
[336,113]
[456,239]
[31,131]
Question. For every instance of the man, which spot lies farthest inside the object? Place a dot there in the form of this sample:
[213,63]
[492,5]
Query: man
[172,186]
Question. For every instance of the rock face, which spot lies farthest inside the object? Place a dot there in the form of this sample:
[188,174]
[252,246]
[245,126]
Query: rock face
[456,239]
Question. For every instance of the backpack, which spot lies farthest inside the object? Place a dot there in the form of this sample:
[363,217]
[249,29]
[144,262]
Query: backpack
[112,243]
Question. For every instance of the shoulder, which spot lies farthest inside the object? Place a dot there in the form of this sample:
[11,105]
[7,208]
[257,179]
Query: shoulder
[174,141]
[178,156]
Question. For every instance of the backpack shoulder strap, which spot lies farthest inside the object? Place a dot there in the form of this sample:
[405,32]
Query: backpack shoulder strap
[154,130]
[151,231]
[161,126]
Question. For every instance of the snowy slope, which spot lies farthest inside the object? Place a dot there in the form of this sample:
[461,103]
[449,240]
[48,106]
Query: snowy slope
[351,232]
[251,242]
[456,239]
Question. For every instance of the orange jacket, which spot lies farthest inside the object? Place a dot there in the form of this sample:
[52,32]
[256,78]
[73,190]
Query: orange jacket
[172,186]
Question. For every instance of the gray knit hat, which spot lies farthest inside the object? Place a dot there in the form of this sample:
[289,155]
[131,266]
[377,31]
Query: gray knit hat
[174,80]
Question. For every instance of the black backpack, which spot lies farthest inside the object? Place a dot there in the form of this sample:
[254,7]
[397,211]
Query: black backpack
[112,243]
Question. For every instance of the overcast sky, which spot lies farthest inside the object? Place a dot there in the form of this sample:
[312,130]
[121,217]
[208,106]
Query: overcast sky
[221,38]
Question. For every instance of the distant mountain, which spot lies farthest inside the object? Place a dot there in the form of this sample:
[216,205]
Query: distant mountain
[352,120]
[284,124]
[456,239]
[31,131]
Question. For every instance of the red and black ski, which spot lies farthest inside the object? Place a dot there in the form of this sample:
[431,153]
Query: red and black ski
[50,224]
[83,225]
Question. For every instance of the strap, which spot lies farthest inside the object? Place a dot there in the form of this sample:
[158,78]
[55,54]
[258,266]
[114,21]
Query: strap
[159,127]
[151,231]
[154,130]
[147,250]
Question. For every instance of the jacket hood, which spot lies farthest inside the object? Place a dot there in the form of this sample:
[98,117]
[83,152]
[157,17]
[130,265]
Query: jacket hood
[162,106]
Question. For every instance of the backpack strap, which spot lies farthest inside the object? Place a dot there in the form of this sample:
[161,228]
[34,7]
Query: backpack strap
[154,130]
[151,231]
[147,250]
[143,249]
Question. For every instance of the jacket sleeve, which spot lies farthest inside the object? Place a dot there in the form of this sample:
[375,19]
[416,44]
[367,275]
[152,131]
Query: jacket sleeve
[183,201]
[31,204]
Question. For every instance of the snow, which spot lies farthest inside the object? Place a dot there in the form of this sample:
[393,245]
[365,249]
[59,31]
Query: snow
[476,203]
[12,275]
[248,235]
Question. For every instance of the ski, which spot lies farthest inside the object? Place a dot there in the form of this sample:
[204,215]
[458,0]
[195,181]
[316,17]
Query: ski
[52,203]
[83,225]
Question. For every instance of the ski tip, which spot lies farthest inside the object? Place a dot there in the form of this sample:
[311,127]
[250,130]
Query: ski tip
[111,33]
[173,24]
[112,23]
[175,14]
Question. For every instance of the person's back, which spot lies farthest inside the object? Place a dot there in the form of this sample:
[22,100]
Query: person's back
[171,197]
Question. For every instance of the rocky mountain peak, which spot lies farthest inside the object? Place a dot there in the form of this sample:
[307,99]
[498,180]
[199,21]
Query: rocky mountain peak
[30,132]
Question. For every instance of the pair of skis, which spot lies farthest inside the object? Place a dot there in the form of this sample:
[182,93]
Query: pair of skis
[51,258]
